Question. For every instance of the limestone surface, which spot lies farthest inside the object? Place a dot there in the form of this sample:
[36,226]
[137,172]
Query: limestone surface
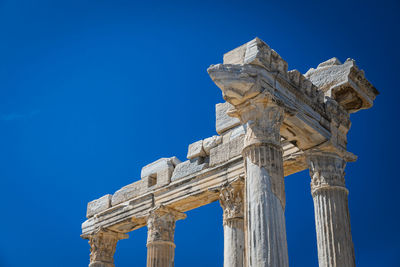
[196,150]
[129,191]
[98,205]
[223,121]
[159,166]
[189,167]
[159,172]
[345,83]
[211,142]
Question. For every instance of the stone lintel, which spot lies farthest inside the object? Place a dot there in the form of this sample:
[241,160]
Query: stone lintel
[131,204]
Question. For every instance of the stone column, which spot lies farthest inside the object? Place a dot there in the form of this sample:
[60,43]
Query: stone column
[102,247]
[248,80]
[265,189]
[231,200]
[332,220]
[160,236]
[265,226]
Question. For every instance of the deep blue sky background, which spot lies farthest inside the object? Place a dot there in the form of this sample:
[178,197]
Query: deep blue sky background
[91,91]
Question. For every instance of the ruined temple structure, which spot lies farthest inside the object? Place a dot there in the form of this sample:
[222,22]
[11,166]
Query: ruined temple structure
[274,123]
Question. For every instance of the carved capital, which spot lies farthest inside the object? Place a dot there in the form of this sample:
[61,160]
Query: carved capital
[263,118]
[102,246]
[232,200]
[326,171]
[161,224]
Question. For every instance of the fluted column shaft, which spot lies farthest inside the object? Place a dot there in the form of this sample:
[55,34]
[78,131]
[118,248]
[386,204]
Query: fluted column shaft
[332,219]
[160,236]
[234,243]
[265,189]
[231,200]
[102,247]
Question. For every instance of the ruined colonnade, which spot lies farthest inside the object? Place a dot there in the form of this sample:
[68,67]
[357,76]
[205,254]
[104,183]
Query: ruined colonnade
[274,123]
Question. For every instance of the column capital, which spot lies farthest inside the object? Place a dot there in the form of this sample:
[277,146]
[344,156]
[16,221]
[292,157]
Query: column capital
[231,199]
[161,224]
[326,171]
[103,243]
[251,90]
[263,117]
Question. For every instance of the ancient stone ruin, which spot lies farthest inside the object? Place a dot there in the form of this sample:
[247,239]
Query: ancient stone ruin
[274,123]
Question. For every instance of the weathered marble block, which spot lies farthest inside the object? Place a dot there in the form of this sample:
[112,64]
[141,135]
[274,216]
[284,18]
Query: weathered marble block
[196,150]
[189,167]
[224,122]
[211,142]
[160,171]
[236,132]
[98,205]
[226,151]
[129,191]
[257,52]
[345,83]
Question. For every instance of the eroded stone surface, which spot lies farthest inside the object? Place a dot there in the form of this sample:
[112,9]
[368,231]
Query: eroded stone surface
[256,52]
[196,150]
[188,167]
[226,151]
[128,192]
[224,122]
[98,205]
[159,165]
[159,172]
[345,83]
[237,132]
[211,142]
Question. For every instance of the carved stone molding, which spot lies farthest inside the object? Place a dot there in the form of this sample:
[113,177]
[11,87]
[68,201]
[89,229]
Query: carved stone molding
[161,224]
[102,247]
[326,171]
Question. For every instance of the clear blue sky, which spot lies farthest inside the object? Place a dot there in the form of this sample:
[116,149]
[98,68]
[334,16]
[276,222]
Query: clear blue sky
[91,91]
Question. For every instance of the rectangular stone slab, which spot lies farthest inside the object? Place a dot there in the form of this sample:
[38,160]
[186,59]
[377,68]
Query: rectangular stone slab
[224,122]
[98,205]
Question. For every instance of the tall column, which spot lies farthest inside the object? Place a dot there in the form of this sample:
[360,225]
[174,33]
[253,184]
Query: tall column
[231,200]
[332,220]
[265,189]
[102,247]
[160,236]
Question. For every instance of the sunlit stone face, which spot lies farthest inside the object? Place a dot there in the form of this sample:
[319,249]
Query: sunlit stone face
[237,82]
